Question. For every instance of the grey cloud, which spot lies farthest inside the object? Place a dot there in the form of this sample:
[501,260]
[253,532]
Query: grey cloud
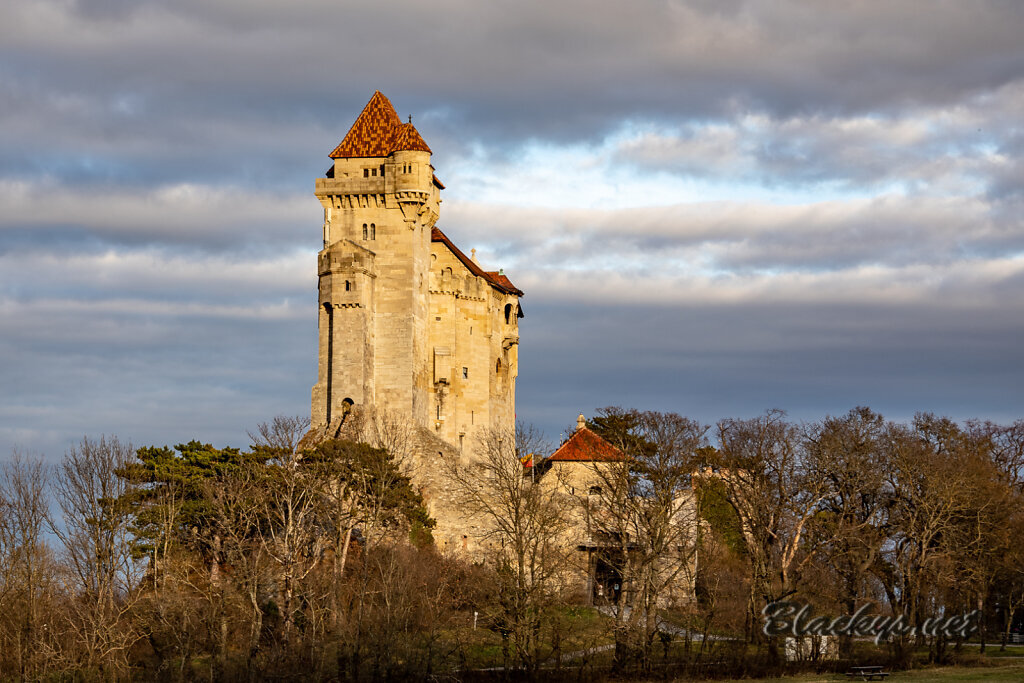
[715,362]
[925,150]
[890,230]
[185,214]
[510,71]
[147,372]
[158,228]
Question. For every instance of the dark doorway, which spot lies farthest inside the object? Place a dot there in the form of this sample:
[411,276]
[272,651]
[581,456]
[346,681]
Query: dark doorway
[607,584]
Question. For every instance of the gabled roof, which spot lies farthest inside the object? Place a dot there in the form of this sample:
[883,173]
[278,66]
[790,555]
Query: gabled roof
[586,446]
[499,282]
[378,132]
[500,278]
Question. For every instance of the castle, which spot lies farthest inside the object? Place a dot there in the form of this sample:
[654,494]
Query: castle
[410,328]
[407,322]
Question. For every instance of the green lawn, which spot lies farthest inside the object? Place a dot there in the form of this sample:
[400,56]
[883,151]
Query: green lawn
[1002,672]
[579,628]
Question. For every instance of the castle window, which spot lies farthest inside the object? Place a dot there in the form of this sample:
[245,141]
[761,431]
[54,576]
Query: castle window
[373,172]
[465,373]
[382,170]
[595,491]
[373,231]
[365,231]
[346,407]
[366,173]
[497,366]
[508,313]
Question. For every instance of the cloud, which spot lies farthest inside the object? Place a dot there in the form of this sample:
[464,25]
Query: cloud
[504,72]
[706,239]
[810,358]
[713,206]
[185,214]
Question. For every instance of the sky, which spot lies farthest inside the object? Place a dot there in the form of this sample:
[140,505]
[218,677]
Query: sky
[715,207]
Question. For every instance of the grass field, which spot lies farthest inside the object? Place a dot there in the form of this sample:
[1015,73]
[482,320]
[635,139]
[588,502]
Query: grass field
[1001,672]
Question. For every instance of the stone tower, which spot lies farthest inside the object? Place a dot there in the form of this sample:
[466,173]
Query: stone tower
[407,322]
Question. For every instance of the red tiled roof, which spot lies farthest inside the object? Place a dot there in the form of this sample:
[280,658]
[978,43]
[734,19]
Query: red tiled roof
[378,132]
[501,279]
[408,138]
[499,282]
[437,181]
[586,446]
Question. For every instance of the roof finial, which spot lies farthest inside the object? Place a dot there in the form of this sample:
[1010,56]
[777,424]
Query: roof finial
[581,422]
[410,118]
[472,255]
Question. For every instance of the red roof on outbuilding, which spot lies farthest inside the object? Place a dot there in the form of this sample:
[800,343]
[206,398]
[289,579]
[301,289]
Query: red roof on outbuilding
[586,446]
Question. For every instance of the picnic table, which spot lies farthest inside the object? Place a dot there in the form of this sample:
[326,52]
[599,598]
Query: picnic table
[866,673]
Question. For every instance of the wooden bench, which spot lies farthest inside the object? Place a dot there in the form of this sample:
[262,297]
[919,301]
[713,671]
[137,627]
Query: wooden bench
[866,673]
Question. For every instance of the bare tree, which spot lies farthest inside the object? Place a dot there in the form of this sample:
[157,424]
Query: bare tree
[644,509]
[525,526]
[1005,445]
[96,537]
[774,495]
[26,568]
[934,489]
[851,528]
[237,507]
[291,495]
[394,433]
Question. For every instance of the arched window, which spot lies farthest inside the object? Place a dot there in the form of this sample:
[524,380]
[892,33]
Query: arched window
[346,406]
[365,231]
[508,313]
[373,231]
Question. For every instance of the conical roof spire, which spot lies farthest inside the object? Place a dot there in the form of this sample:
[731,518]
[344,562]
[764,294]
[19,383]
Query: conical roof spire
[378,131]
